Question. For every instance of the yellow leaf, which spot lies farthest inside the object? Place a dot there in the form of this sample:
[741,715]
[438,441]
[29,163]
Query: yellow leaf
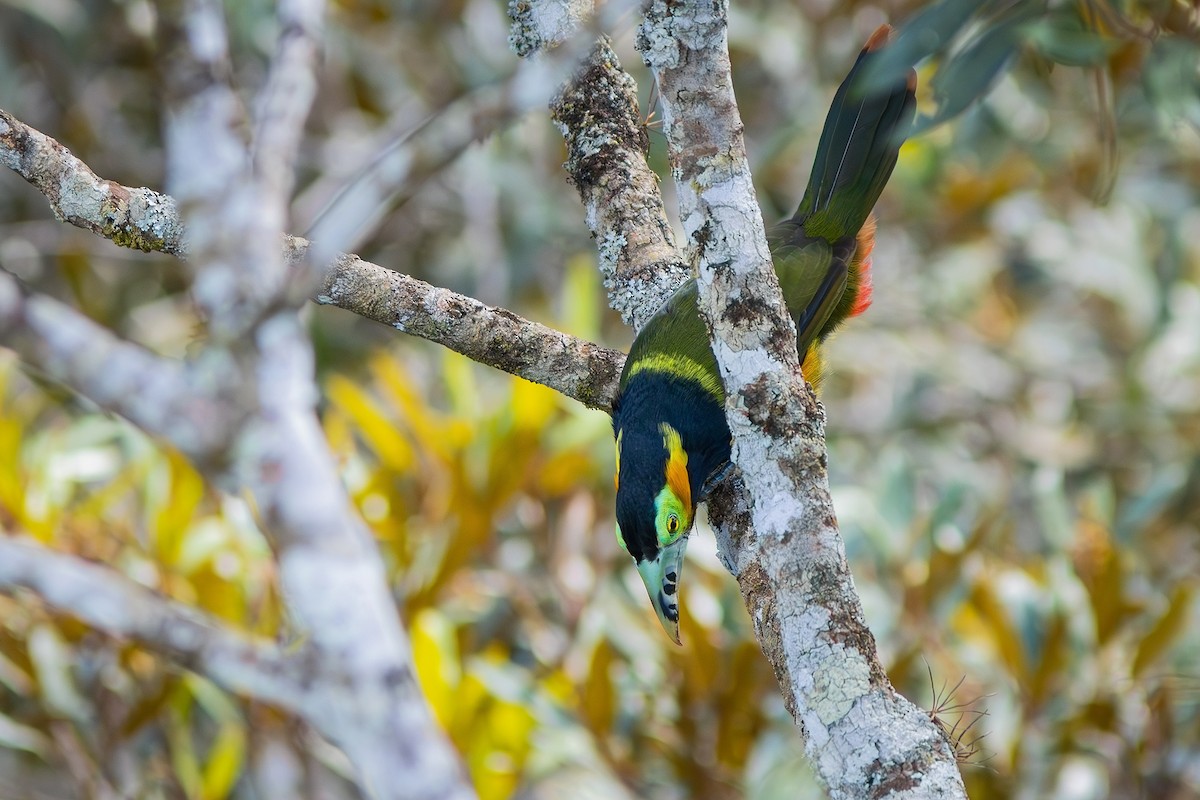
[981,618]
[1098,564]
[698,662]
[225,761]
[558,686]
[458,376]
[581,297]
[218,595]
[339,432]
[1168,627]
[471,698]
[532,405]
[564,472]
[12,483]
[435,656]
[597,696]
[510,726]
[498,754]
[428,431]
[376,428]
[740,714]
[170,524]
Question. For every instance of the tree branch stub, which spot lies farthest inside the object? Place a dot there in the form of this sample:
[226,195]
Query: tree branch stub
[607,142]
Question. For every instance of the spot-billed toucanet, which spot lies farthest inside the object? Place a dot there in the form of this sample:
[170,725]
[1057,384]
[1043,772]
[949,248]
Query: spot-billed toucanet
[669,417]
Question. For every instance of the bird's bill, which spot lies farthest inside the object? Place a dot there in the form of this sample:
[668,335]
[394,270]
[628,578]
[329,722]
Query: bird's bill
[661,576]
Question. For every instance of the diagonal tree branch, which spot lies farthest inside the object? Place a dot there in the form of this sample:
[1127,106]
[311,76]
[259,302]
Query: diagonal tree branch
[140,219]
[863,739]
[193,404]
[494,336]
[119,607]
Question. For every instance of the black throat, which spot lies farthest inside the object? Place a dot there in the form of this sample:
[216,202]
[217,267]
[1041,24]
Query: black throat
[649,399]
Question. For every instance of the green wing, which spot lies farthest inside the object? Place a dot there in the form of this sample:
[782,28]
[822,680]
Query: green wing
[814,250]
[812,277]
[812,274]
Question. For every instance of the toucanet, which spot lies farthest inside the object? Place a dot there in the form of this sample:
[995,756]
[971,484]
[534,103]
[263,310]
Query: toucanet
[669,418]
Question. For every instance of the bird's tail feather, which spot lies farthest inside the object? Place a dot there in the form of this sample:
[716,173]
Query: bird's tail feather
[858,147]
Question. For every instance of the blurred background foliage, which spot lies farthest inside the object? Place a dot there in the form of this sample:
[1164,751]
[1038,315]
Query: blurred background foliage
[1013,428]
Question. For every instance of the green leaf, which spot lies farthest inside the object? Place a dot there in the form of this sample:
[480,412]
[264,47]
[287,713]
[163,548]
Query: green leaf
[183,750]
[53,660]
[927,33]
[1062,37]
[1172,81]
[971,72]
[15,736]
[215,702]
[1165,485]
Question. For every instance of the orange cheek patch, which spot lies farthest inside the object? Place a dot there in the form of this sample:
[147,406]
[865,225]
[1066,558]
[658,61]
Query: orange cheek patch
[617,471]
[677,474]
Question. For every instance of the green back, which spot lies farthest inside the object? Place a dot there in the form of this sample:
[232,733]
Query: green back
[813,251]
[675,337]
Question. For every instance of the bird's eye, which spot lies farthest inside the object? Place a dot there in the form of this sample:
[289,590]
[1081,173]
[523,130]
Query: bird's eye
[671,518]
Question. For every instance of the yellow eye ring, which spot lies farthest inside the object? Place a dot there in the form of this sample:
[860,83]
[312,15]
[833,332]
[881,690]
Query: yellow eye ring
[672,523]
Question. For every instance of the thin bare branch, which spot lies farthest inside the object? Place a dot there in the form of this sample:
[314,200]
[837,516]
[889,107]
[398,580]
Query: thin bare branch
[89,779]
[140,219]
[285,100]
[555,32]
[392,176]
[577,368]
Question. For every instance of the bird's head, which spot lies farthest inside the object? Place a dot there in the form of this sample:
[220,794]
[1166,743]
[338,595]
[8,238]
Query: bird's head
[656,506]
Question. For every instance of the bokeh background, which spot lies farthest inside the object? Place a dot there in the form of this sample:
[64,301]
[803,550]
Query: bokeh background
[1014,426]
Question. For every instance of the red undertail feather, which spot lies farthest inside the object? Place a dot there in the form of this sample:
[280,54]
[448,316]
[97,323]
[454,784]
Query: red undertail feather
[881,36]
[863,300]
[862,265]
